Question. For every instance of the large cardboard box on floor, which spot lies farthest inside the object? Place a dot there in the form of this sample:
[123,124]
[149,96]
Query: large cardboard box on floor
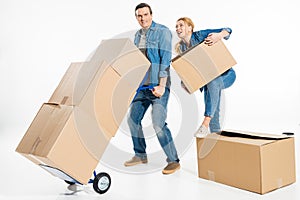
[70,133]
[199,65]
[251,161]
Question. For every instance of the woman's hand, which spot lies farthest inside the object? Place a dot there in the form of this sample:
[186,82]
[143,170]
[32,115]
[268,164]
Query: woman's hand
[213,38]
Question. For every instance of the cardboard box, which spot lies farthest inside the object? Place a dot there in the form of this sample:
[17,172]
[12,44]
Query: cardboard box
[53,139]
[199,65]
[119,54]
[251,161]
[106,103]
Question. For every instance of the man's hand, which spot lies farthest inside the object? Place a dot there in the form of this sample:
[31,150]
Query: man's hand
[158,91]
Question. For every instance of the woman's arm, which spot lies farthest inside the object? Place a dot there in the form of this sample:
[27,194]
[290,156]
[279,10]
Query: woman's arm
[213,38]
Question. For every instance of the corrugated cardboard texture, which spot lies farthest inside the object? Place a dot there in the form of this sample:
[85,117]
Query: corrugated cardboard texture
[201,64]
[239,161]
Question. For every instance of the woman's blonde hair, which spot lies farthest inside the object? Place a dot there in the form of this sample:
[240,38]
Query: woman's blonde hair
[189,22]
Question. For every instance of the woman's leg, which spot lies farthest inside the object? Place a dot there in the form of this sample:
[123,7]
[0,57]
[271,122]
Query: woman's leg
[212,98]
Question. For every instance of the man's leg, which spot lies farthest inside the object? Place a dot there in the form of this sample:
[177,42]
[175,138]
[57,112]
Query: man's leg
[159,115]
[137,111]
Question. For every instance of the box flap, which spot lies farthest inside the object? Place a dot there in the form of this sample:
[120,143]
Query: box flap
[253,135]
[251,138]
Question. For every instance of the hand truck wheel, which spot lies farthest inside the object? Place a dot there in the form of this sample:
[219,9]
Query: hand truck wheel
[102,182]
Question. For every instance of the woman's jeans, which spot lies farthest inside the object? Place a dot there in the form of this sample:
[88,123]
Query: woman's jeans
[212,97]
[138,108]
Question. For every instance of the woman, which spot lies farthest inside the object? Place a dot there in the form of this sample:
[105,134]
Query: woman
[212,90]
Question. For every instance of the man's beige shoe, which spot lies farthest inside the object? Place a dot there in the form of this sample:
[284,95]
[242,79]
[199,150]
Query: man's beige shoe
[135,160]
[171,168]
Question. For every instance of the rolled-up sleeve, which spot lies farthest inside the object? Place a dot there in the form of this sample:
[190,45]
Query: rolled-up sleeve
[165,52]
[229,30]
[204,33]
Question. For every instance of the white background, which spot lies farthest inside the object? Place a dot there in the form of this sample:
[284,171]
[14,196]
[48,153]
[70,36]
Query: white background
[39,39]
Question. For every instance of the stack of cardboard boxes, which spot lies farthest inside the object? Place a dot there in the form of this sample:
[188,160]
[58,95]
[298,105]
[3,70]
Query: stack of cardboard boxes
[71,131]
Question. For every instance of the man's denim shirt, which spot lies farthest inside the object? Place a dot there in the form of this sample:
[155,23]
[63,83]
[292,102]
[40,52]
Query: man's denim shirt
[199,36]
[158,51]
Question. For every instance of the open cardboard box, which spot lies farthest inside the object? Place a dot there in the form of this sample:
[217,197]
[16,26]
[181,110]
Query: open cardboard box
[202,63]
[251,161]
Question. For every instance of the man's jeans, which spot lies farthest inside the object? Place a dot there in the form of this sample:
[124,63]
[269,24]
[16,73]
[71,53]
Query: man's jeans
[212,97]
[138,108]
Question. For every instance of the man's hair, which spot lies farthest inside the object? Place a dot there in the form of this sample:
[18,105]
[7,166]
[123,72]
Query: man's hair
[142,5]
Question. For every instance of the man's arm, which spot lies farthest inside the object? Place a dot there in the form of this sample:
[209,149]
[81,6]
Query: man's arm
[165,53]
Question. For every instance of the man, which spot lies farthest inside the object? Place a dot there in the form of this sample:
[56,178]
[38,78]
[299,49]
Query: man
[155,41]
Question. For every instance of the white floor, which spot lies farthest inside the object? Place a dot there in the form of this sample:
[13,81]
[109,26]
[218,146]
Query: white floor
[21,179]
